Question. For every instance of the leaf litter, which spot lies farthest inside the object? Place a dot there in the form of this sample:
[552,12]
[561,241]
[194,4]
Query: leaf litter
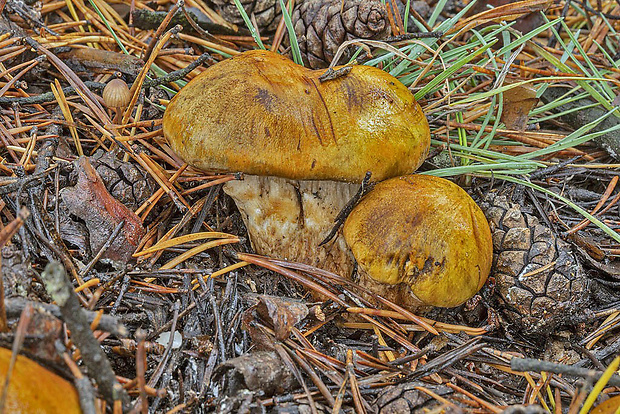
[528,110]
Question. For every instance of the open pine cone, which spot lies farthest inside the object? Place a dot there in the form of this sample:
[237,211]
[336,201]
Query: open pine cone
[538,278]
[124,181]
[266,12]
[322,26]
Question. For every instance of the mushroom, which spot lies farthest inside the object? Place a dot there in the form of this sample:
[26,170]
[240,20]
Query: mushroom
[304,145]
[116,95]
[34,389]
[420,241]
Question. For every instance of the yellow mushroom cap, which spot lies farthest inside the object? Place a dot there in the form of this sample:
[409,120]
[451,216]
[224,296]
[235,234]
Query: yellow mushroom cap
[34,389]
[424,233]
[116,94]
[262,114]
[608,407]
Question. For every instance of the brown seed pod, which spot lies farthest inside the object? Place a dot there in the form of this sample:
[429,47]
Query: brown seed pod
[322,26]
[420,241]
[539,281]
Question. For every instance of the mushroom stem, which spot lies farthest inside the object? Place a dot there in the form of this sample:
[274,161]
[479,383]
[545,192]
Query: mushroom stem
[117,115]
[288,219]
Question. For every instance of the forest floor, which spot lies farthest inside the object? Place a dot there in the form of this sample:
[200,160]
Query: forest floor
[523,104]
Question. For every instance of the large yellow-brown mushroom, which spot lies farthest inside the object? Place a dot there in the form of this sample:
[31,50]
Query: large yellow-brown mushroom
[302,143]
[420,241]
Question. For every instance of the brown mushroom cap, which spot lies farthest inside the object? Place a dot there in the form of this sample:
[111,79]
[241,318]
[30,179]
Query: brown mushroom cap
[34,389]
[116,94]
[423,236]
[262,114]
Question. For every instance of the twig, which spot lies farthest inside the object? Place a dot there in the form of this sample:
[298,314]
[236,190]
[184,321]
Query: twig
[47,96]
[58,286]
[528,364]
[85,390]
[179,74]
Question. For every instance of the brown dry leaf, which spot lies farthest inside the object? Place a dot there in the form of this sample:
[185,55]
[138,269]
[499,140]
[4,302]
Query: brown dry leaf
[506,12]
[518,102]
[524,24]
[90,201]
[282,313]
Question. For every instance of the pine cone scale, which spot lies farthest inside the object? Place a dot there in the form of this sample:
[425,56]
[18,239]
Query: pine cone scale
[539,281]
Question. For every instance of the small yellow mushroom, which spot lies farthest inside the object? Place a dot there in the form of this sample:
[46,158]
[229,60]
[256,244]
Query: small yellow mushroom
[420,241]
[116,96]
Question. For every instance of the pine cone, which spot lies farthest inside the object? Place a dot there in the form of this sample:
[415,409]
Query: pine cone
[267,12]
[538,278]
[322,26]
[124,181]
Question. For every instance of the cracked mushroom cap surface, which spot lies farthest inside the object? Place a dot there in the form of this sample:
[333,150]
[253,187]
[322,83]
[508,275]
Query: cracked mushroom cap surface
[262,114]
[423,236]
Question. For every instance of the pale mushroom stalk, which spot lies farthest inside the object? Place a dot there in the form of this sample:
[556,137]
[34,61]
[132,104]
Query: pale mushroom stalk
[288,219]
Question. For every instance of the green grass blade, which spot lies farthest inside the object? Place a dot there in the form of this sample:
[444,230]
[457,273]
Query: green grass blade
[296,52]
[249,24]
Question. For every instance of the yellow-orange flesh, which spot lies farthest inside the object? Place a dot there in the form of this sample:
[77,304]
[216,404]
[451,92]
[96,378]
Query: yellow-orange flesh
[421,241]
[34,389]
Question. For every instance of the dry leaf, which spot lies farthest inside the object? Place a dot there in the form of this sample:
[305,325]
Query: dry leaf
[91,202]
[282,313]
[518,102]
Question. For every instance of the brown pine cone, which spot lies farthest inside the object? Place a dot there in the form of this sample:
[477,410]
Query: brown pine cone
[124,181]
[267,12]
[538,278]
[322,26]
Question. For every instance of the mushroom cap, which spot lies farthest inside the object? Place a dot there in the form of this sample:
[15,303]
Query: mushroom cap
[262,114]
[116,94]
[34,389]
[425,233]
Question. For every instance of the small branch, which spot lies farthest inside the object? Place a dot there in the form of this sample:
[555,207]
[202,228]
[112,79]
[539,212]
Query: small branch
[99,368]
[179,74]
[528,364]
